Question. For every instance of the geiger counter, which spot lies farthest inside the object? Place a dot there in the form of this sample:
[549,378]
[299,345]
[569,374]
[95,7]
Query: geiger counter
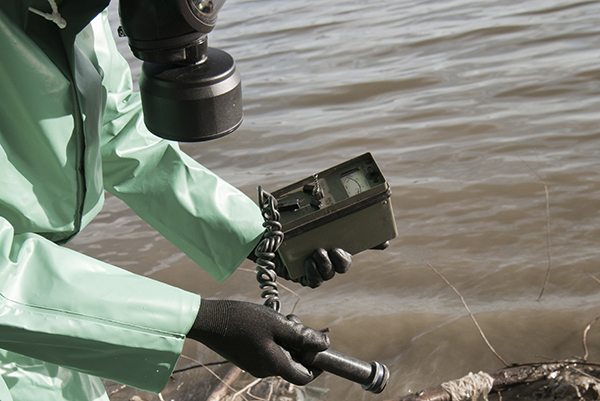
[347,206]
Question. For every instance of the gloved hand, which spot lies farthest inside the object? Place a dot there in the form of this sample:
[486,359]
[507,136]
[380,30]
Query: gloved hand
[258,339]
[318,267]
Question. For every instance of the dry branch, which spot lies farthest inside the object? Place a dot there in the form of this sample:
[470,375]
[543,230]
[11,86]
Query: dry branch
[584,340]
[503,379]
[225,384]
[548,249]
[469,311]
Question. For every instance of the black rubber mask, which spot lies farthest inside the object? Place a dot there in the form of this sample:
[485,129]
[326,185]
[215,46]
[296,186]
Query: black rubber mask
[190,92]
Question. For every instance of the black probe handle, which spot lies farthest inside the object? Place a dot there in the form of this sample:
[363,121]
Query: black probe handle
[372,376]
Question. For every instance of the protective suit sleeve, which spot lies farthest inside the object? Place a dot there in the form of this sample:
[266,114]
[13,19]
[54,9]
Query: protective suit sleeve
[65,308]
[215,224]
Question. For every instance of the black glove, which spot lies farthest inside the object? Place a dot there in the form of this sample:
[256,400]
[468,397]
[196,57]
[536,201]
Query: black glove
[322,265]
[319,267]
[258,339]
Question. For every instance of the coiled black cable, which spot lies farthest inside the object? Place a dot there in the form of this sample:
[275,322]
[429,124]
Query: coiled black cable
[266,250]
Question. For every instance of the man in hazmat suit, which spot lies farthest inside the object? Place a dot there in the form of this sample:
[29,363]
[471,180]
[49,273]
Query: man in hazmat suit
[70,128]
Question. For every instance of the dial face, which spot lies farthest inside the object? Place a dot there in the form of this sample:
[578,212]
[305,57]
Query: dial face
[355,182]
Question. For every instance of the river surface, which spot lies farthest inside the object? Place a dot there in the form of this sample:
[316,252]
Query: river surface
[472,109]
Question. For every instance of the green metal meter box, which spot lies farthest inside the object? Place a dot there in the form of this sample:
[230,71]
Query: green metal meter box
[347,206]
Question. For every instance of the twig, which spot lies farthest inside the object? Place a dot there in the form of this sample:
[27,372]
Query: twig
[221,389]
[547,242]
[584,340]
[581,372]
[115,391]
[268,395]
[271,389]
[598,280]
[211,372]
[202,365]
[548,249]
[468,310]
[282,286]
[249,386]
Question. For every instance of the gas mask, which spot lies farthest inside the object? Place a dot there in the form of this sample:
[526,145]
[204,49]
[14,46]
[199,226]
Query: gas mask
[190,92]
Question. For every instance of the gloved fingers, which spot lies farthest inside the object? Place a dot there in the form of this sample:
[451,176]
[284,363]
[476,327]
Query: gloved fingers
[292,339]
[322,266]
[303,338]
[340,259]
[297,356]
[294,318]
[323,263]
[257,338]
[293,371]
[278,361]
[311,277]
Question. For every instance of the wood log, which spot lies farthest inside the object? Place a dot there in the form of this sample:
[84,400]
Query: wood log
[503,379]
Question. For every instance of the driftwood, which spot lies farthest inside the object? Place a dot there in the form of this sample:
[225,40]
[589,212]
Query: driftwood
[504,379]
[478,386]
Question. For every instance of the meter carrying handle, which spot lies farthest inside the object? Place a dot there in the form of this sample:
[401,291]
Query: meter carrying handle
[372,376]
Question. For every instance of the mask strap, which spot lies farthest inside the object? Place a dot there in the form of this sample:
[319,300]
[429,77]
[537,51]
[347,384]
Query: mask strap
[54,17]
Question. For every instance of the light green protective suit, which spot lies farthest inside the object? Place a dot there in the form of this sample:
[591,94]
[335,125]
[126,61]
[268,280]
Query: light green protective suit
[70,127]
